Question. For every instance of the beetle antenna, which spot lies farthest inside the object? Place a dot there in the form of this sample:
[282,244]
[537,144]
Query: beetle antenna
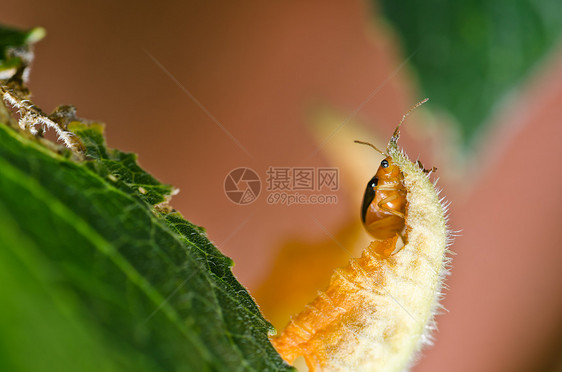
[371,145]
[396,134]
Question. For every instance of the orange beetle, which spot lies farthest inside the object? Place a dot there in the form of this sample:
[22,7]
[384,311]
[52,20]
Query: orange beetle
[384,203]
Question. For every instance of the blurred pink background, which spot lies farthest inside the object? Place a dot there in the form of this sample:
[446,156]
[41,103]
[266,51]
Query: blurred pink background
[256,69]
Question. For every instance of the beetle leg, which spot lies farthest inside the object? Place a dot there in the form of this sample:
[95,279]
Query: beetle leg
[386,209]
[387,188]
[426,171]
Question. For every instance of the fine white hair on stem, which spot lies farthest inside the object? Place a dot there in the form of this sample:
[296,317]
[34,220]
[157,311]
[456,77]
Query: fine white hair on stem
[31,116]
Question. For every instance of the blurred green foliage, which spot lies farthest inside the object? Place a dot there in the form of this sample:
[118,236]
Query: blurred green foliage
[470,53]
[14,48]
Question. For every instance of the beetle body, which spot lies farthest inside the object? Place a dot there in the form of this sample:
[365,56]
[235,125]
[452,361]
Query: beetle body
[384,202]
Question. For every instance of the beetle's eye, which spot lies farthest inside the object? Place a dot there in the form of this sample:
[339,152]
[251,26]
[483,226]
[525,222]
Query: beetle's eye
[384,163]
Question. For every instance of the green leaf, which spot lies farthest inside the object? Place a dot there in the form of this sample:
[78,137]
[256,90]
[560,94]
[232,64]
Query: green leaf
[15,48]
[469,54]
[98,272]
[96,278]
